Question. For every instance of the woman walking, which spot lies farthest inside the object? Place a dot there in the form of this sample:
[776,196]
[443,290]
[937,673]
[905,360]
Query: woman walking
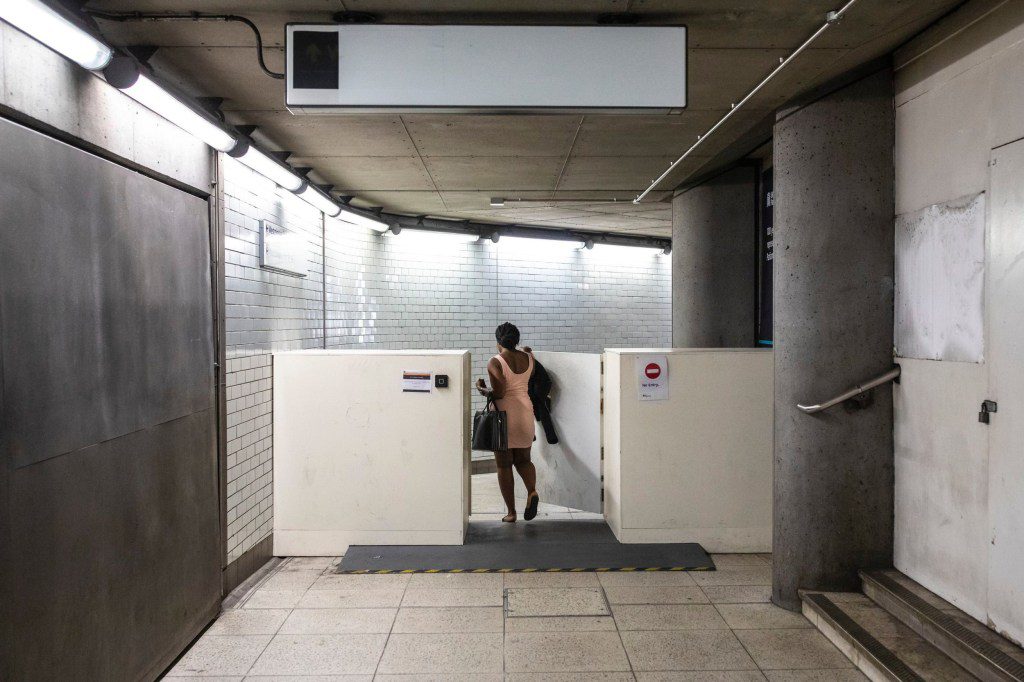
[510,372]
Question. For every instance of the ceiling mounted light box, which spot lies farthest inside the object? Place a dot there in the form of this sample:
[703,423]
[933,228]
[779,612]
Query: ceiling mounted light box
[374,68]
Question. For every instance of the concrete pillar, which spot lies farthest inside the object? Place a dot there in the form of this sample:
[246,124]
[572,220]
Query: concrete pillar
[833,298]
[714,262]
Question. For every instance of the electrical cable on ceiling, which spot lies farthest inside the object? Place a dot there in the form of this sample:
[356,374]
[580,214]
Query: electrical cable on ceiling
[191,16]
[830,19]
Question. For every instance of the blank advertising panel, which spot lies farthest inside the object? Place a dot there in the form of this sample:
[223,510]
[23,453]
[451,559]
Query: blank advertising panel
[497,69]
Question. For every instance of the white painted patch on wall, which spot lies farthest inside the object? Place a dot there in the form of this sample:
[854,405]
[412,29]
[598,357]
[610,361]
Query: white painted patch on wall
[940,274]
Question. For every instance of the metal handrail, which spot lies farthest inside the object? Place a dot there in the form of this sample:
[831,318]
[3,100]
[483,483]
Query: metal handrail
[892,375]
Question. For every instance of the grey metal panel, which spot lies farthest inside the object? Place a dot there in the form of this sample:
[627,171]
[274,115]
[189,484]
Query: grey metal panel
[116,555]
[109,524]
[105,301]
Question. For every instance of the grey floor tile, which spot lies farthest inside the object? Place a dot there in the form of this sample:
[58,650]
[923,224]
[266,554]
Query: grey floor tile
[308,563]
[551,580]
[536,652]
[738,594]
[221,655]
[570,677]
[449,619]
[792,649]
[442,677]
[665,594]
[667,617]
[646,579]
[442,653]
[834,675]
[703,676]
[291,580]
[758,575]
[248,622]
[308,678]
[347,581]
[560,624]
[321,655]
[456,580]
[555,601]
[733,561]
[351,599]
[761,616]
[338,621]
[206,678]
[273,599]
[686,650]
[472,596]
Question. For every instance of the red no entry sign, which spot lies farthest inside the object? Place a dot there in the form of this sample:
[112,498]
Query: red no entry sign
[652,370]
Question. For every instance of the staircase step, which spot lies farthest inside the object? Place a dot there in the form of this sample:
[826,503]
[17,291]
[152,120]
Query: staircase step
[877,643]
[978,649]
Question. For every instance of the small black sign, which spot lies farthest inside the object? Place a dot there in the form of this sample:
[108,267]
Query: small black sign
[766,254]
[315,54]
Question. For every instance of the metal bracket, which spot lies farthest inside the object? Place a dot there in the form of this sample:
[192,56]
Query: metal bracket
[987,407]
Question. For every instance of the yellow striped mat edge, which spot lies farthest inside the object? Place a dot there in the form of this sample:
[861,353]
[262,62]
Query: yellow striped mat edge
[650,569]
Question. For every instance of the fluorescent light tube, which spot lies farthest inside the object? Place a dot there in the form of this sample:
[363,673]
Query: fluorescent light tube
[53,30]
[155,98]
[271,169]
[426,237]
[317,199]
[363,221]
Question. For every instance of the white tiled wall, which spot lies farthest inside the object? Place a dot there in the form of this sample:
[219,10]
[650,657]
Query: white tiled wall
[414,290]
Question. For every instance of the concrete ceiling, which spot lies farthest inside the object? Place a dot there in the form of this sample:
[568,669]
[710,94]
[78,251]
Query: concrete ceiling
[566,171]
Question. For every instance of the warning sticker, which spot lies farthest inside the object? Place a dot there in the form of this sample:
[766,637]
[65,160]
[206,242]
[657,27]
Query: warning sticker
[653,376]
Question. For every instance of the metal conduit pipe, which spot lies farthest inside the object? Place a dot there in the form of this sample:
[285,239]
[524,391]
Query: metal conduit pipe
[831,18]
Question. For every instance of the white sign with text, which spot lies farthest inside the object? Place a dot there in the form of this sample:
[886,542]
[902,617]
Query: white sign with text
[652,372]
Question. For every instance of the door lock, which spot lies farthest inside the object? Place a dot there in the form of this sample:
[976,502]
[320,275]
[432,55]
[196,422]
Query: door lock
[987,408]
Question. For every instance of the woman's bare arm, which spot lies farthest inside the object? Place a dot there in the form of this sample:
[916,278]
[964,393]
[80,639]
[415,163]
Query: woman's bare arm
[497,378]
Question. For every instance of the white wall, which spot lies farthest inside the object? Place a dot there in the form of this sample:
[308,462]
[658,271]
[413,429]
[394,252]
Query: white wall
[959,94]
[359,461]
[696,467]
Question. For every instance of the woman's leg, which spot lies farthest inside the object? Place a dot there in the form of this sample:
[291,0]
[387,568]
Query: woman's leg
[506,483]
[528,473]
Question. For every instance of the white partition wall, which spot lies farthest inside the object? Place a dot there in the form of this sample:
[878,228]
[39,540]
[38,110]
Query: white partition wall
[695,466]
[569,472]
[362,456]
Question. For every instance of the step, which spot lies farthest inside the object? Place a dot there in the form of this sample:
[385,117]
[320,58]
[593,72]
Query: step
[970,643]
[876,642]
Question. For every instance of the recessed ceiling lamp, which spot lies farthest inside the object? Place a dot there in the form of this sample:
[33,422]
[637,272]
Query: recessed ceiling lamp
[497,202]
[53,30]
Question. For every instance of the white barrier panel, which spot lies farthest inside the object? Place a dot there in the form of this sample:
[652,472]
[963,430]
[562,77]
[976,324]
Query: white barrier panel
[569,472]
[695,466]
[363,456]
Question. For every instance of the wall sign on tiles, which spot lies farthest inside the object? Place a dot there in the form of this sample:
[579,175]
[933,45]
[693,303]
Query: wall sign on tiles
[652,374]
[282,250]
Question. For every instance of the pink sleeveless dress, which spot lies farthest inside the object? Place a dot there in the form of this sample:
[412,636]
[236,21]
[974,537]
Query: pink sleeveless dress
[517,404]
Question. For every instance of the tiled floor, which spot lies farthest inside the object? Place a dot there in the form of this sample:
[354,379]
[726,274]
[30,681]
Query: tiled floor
[305,622]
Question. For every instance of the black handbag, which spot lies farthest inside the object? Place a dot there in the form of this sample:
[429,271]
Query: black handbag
[490,428]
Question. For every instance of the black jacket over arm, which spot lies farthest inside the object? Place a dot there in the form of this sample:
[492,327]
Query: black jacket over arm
[540,394]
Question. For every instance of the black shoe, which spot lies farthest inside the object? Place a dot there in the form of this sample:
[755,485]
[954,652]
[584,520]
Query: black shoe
[531,507]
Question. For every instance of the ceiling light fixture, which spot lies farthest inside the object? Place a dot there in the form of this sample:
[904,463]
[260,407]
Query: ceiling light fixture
[127,75]
[270,168]
[366,221]
[497,202]
[319,200]
[56,32]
